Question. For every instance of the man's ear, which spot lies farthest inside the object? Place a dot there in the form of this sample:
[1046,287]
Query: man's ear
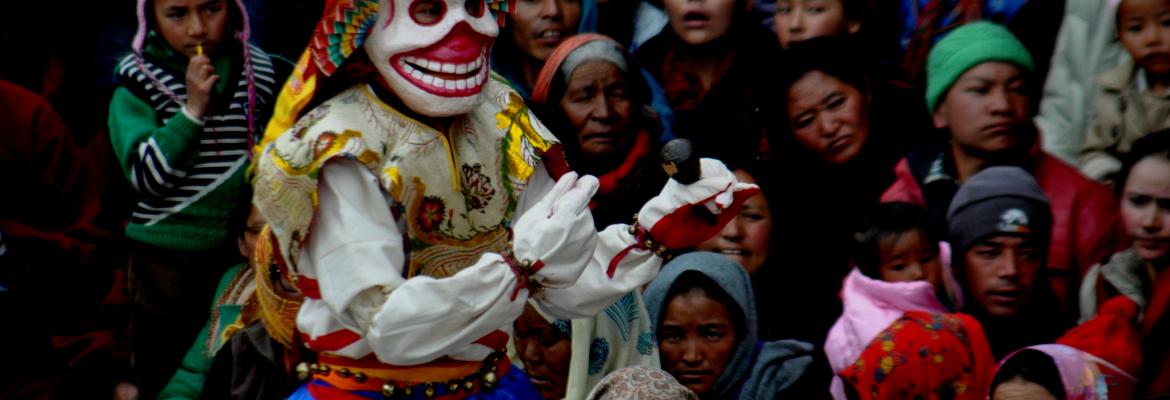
[240,244]
[940,120]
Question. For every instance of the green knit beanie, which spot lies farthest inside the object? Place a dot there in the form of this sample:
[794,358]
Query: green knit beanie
[964,48]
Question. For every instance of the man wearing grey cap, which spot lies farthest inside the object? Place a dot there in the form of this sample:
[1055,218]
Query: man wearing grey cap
[999,225]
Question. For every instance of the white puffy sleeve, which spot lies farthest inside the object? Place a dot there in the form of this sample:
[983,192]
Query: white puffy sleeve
[356,253]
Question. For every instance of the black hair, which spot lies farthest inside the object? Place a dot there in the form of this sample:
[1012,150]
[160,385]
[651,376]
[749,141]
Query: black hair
[696,280]
[856,10]
[504,47]
[1033,366]
[886,224]
[760,170]
[832,55]
[355,69]
[1156,144]
[839,57]
[237,224]
[235,19]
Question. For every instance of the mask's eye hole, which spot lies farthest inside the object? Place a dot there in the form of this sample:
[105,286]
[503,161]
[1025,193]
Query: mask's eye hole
[474,8]
[427,12]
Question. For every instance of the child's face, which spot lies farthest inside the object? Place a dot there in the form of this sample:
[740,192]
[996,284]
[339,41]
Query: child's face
[699,22]
[186,24]
[1145,208]
[798,20]
[910,256]
[1144,27]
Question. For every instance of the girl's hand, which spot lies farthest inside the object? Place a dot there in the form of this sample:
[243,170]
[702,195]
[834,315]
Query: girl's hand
[201,79]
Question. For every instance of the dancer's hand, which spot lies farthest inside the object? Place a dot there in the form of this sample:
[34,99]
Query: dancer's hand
[671,217]
[558,231]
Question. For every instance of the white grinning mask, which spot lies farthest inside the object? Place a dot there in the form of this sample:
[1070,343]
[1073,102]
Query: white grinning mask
[433,53]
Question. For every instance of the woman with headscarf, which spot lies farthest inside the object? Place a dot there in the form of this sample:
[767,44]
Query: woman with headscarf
[1060,372]
[594,97]
[568,358]
[704,315]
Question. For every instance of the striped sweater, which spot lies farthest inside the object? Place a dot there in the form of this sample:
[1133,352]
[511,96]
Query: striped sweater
[189,175]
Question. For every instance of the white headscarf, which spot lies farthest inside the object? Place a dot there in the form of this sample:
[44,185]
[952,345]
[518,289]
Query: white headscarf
[618,337]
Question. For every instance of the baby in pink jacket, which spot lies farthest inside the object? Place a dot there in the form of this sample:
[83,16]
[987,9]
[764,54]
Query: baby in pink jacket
[900,266]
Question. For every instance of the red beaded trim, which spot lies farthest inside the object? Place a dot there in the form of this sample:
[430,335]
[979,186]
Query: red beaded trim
[642,241]
[525,271]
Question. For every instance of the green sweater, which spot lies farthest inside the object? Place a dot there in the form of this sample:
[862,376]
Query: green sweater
[189,175]
[188,380]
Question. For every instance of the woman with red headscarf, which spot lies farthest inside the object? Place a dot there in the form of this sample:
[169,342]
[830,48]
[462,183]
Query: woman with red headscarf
[594,98]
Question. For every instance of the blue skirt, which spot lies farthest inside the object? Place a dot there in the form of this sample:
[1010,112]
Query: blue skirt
[513,386]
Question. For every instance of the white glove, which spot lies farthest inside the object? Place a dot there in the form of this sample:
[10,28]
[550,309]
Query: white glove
[671,217]
[558,231]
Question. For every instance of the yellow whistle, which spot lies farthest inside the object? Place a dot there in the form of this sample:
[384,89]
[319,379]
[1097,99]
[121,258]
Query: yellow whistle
[199,49]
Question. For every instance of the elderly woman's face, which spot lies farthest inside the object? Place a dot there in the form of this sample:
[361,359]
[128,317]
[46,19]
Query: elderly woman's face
[598,105]
[828,116]
[545,352]
[696,340]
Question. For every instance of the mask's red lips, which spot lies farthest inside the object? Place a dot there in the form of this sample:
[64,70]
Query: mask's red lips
[456,66]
